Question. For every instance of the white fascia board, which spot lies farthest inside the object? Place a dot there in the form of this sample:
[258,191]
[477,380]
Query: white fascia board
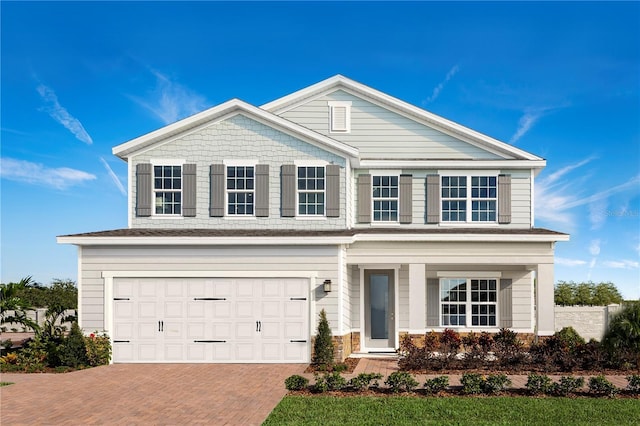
[282,104]
[195,241]
[227,109]
[462,237]
[453,164]
[198,241]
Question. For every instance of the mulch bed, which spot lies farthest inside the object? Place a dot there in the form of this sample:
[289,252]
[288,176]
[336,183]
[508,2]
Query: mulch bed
[350,364]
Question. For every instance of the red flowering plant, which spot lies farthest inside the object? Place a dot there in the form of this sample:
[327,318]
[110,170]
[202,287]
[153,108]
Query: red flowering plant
[98,347]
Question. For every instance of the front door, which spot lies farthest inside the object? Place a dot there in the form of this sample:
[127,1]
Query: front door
[379,310]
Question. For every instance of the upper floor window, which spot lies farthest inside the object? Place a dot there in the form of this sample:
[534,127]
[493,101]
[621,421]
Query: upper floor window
[339,116]
[468,302]
[457,197]
[311,190]
[385,198]
[167,190]
[240,190]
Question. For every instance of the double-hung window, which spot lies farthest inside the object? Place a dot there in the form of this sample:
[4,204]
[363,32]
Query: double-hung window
[240,190]
[167,190]
[311,191]
[385,198]
[469,198]
[468,302]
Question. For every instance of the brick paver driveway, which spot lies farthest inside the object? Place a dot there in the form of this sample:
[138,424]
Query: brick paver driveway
[168,394]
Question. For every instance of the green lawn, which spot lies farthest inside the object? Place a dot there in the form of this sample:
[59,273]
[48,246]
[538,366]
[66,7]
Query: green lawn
[328,410]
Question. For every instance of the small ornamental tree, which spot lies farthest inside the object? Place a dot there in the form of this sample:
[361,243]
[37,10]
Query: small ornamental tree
[323,346]
[622,339]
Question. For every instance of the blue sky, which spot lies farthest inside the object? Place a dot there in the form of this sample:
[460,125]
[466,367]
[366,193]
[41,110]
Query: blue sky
[561,80]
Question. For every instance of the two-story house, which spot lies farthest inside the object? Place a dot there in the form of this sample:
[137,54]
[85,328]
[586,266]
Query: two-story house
[245,222]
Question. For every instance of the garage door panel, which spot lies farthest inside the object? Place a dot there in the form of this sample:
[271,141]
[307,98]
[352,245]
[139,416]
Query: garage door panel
[148,310]
[174,352]
[271,351]
[250,320]
[271,330]
[245,330]
[173,309]
[196,330]
[174,288]
[271,288]
[271,309]
[245,309]
[222,330]
[149,289]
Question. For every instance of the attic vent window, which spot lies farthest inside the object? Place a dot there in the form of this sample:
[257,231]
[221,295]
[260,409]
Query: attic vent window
[339,117]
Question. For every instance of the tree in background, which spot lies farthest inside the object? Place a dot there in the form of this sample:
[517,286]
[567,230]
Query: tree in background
[586,294]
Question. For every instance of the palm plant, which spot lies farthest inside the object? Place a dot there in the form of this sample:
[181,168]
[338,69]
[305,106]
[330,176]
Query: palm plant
[623,335]
[13,309]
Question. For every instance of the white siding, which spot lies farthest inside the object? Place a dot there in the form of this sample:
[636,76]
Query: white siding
[96,260]
[354,288]
[238,138]
[403,297]
[380,133]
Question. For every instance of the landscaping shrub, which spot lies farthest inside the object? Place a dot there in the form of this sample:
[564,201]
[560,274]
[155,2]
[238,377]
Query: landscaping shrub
[622,339]
[329,381]
[363,381]
[600,386]
[437,384]
[509,349]
[568,385]
[495,383]
[72,352]
[450,343]
[401,381]
[538,384]
[296,382]
[471,383]
[98,349]
[415,358]
[634,384]
[322,345]
[477,349]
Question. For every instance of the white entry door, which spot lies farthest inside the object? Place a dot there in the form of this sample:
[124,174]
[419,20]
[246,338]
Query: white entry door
[211,320]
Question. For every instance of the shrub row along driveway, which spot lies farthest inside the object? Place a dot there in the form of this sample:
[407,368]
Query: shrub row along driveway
[233,394]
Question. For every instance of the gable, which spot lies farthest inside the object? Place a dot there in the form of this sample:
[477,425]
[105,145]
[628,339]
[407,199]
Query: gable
[380,133]
[238,137]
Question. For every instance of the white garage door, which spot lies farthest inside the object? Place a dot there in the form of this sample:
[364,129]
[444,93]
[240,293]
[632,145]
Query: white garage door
[210,320]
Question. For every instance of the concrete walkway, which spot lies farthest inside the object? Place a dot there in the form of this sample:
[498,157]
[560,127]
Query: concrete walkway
[145,394]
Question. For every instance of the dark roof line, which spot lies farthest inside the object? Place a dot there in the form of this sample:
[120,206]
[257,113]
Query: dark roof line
[168,233]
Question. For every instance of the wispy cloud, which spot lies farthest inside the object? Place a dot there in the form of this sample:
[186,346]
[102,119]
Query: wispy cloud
[569,262]
[26,171]
[436,91]
[61,115]
[555,197]
[170,101]
[114,177]
[530,117]
[621,264]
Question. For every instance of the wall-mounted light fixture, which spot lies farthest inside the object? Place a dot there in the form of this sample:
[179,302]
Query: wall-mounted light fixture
[327,286]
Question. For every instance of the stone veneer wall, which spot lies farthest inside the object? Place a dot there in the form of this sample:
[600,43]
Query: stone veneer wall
[589,321]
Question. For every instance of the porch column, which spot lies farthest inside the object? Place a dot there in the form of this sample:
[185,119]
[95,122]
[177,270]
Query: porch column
[545,305]
[417,297]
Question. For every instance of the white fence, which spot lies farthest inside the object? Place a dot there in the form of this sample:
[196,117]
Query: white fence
[589,321]
[37,315]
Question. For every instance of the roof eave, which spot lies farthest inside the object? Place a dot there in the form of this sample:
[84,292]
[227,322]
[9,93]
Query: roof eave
[127,149]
